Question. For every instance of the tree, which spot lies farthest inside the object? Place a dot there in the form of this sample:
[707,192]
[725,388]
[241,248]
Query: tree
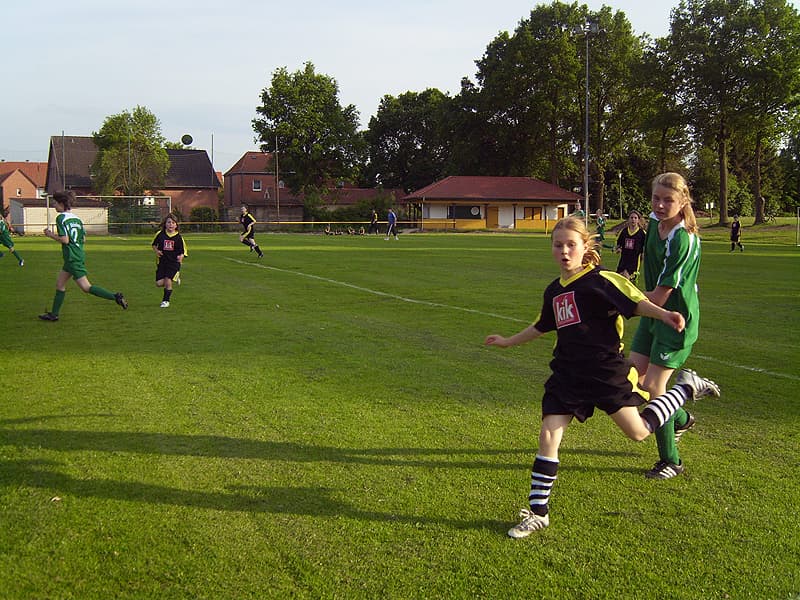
[318,139]
[709,43]
[131,157]
[773,83]
[407,141]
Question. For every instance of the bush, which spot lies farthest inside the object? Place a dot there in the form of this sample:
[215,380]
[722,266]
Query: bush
[204,219]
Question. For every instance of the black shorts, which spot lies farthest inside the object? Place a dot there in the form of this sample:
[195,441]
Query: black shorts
[609,387]
[167,271]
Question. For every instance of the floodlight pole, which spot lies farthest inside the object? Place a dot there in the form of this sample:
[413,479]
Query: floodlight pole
[588,27]
[277,185]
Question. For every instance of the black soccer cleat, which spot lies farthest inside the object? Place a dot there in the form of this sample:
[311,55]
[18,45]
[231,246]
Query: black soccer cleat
[48,316]
[120,299]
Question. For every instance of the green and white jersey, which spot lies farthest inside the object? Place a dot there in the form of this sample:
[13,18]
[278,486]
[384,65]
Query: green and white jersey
[674,262]
[5,234]
[67,224]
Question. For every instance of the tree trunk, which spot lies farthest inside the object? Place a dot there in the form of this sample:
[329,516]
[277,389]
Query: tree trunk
[757,198]
[722,150]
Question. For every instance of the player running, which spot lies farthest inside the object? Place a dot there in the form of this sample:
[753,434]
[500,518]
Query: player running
[585,307]
[248,236]
[170,248]
[70,234]
[5,239]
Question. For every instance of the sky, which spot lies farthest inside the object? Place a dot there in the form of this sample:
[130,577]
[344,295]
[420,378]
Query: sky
[201,66]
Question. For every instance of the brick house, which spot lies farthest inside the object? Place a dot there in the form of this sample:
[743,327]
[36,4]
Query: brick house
[252,181]
[22,180]
[190,181]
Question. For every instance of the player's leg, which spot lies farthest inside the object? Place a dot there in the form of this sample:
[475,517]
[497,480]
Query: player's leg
[58,299]
[543,475]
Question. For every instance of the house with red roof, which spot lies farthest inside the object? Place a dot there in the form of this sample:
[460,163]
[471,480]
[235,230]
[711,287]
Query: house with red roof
[190,181]
[253,181]
[21,180]
[470,203]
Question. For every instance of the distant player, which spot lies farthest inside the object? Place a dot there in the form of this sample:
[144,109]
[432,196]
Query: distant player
[736,234]
[585,306]
[391,227]
[630,246]
[373,223]
[5,239]
[170,248]
[248,235]
[70,234]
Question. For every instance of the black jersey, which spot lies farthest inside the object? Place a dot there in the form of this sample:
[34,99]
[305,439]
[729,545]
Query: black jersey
[587,313]
[247,221]
[631,247]
[171,246]
[736,231]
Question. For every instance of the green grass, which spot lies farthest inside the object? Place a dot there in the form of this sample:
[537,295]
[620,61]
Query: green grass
[326,423]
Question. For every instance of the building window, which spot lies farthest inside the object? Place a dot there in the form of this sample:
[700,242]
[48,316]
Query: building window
[19,191]
[256,185]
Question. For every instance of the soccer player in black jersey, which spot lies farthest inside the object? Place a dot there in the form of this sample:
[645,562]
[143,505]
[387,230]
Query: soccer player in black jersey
[170,248]
[630,246]
[248,235]
[585,306]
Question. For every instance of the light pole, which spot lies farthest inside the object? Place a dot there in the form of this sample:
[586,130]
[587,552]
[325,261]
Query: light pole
[277,186]
[588,28]
[620,195]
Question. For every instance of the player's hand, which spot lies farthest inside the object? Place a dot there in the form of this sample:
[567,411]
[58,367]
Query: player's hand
[675,320]
[496,340]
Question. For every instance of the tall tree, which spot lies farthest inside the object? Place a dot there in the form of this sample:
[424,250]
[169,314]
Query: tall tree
[316,136]
[708,40]
[407,140]
[773,83]
[131,157]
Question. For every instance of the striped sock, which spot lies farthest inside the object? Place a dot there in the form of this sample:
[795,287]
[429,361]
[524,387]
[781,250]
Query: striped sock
[660,409]
[543,475]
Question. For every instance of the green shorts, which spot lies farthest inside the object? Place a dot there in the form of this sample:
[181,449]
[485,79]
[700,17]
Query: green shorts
[76,269]
[660,352]
[5,239]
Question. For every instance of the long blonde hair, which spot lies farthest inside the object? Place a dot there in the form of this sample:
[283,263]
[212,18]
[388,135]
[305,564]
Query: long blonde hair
[592,254]
[676,181]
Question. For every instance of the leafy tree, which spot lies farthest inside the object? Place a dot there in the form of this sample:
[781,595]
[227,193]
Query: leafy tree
[708,40]
[773,82]
[131,157]
[407,140]
[317,138]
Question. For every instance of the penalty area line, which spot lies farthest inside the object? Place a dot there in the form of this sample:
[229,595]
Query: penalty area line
[378,292]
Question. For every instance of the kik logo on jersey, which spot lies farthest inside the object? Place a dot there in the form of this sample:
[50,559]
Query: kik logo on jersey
[566,310]
[169,244]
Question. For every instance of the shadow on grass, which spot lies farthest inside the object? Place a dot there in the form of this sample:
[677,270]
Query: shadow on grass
[212,446]
[297,501]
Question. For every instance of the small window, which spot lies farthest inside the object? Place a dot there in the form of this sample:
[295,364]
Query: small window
[256,185]
[19,191]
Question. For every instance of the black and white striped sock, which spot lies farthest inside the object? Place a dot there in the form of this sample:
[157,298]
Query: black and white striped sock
[543,475]
[660,409]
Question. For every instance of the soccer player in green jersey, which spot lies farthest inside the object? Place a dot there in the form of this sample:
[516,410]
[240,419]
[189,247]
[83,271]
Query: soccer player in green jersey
[70,234]
[671,264]
[5,238]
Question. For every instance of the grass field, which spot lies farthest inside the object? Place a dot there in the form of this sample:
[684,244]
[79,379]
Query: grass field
[326,423]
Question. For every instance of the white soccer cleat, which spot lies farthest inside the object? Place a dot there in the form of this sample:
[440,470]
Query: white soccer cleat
[530,522]
[165,304]
[700,386]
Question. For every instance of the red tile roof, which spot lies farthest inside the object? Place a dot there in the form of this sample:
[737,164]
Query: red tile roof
[253,162]
[508,189]
[35,171]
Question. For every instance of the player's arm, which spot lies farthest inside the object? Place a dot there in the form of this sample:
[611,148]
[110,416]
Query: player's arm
[645,308]
[63,239]
[660,295]
[528,334]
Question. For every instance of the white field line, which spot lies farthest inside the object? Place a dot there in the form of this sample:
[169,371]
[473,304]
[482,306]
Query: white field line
[486,314]
[378,292]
